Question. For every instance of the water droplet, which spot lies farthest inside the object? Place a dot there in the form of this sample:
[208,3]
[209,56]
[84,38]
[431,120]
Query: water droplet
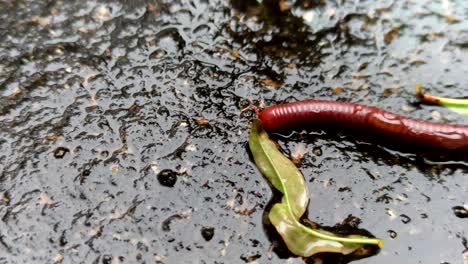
[106,259]
[167,178]
[392,234]
[460,211]
[157,54]
[317,151]
[207,233]
[344,189]
[104,154]
[60,152]
[405,219]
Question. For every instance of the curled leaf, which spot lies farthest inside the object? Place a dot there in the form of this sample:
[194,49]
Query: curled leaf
[285,216]
[459,106]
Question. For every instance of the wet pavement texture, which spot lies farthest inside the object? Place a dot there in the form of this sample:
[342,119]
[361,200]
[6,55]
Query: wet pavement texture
[124,126]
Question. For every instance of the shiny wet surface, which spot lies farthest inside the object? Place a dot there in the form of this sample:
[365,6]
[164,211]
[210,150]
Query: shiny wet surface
[123,131]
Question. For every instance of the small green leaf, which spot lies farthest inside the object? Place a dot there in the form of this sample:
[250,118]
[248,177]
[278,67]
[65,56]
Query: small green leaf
[274,165]
[285,216]
[459,106]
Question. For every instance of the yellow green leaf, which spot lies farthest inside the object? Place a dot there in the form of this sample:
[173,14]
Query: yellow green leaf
[285,216]
[459,106]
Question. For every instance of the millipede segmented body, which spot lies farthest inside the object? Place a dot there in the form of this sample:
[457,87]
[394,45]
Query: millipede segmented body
[366,121]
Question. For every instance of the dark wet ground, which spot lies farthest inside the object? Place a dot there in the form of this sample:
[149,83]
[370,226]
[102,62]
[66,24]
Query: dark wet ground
[123,135]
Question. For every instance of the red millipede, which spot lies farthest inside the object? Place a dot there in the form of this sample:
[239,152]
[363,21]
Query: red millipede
[418,135]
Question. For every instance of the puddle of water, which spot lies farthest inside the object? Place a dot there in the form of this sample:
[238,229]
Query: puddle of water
[105,105]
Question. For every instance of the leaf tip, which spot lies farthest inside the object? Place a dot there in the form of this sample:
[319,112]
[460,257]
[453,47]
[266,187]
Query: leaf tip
[380,243]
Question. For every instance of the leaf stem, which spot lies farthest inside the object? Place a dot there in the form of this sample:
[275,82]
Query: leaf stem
[363,240]
[438,99]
